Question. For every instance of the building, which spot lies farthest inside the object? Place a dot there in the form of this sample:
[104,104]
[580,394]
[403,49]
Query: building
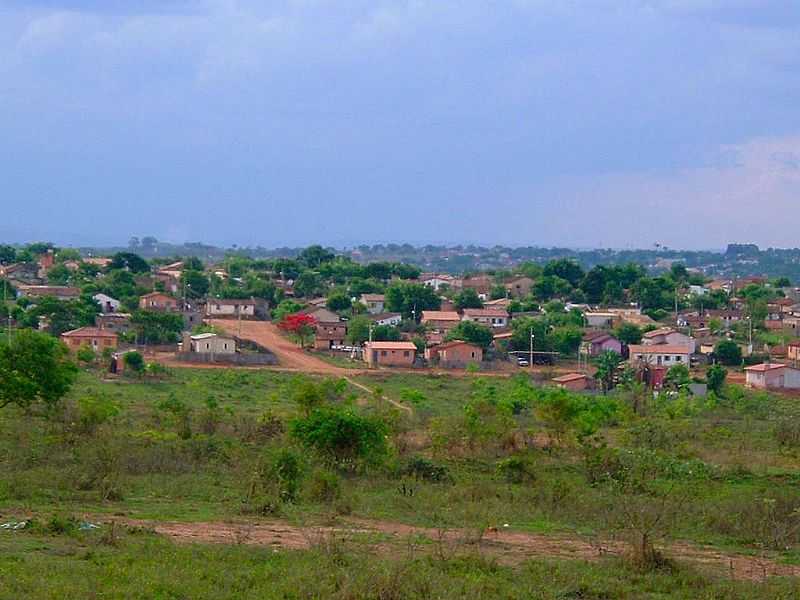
[208,343]
[114,322]
[393,354]
[486,316]
[387,318]
[659,355]
[321,314]
[95,338]
[246,308]
[595,343]
[601,320]
[455,354]
[328,335]
[440,320]
[519,287]
[574,382]
[772,376]
[158,301]
[482,284]
[373,302]
[107,303]
[667,335]
[41,291]
[439,281]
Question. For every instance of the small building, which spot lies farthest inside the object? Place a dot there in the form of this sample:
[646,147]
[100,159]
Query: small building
[393,354]
[573,382]
[440,320]
[95,338]
[659,355]
[765,376]
[246,308]
[519,287]
[373,302]
[793,351]
[107,303]
[191,318]
[320,314]
[41,291]
[482,284]
[208,343]
[439,281]
[387,318]
[602,320]
[486,316]
[667,335]
[455,354]
[328,335]
[115,322]
[158,301]
[595,343]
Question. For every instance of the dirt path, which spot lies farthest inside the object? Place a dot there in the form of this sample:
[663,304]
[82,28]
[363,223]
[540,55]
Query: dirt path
[508,547]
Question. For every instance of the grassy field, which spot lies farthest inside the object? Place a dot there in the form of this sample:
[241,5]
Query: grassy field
[476,454]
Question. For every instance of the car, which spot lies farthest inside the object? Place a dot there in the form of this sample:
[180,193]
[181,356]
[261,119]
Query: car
[522,362]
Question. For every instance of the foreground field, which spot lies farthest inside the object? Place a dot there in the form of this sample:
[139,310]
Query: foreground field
[476,490]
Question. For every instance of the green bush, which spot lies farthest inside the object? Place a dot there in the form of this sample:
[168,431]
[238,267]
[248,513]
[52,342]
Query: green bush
[426,470]
[515,470]
[324,486]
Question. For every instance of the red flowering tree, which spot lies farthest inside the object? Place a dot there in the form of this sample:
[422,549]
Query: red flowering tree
[303,326]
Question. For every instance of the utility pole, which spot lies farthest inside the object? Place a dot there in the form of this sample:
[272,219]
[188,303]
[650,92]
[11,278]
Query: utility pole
[8,312]
[531,352]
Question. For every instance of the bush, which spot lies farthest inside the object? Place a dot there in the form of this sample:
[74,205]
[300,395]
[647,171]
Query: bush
[787,433]
[515,470]
[426,470]
[284,470]
[324,486]
[93,411]
[134,361]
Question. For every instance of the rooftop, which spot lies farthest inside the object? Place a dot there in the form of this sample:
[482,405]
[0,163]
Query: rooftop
[659,349]
[89,332]
[392,346]
[440,315]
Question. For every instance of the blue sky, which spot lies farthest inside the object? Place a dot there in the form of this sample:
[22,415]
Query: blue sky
[527,122]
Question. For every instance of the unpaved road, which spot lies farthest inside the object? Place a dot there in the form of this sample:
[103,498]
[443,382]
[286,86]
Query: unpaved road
[508,547]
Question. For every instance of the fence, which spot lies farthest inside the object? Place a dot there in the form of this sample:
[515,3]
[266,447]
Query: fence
[228,359]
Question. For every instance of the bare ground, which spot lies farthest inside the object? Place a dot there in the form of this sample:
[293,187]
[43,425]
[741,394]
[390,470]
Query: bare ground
[507,547]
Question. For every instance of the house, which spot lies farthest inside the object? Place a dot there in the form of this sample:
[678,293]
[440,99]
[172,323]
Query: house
[321,314]
[208,343]
[397,354]
[772,376]
[595,343]
[115,322]
[246,308]
[486,316]
[439,281]
[329,335]
[98,261]
[191,318]
[455,354]
[388,318]
[602,320]
[95,338]
[667,335]
[482,284]
[573,382]
[158,301]
[519,287]
[698,290]
[725,285]
[793,351]
[500,303]
[41,291]
[107,303]
[659,354]
[440,320]
[373,302]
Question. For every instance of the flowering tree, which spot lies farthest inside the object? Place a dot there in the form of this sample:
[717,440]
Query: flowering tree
[300,325]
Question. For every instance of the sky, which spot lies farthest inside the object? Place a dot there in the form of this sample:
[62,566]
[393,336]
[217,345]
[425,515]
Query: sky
[583,123]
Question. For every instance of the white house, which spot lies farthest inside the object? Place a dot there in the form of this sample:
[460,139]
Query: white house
[665,355]
[486,316]
[209,343]
[238,307]
[667,335]
[373,302]
[393,319]
[698,290]
[107,303]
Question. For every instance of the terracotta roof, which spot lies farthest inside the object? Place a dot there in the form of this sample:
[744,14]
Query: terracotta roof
[570,377]
[382,316]
[391,346]
[659,349]
[485,312]
[89,332]
[658,332]
[598,336]
[763,367]
[157,294]
[440,315]
[373,297]
[242,301]
[49,290]
[454,343]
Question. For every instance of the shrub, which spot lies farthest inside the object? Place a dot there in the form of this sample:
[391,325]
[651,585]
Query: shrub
[134,361]
[324,486]
[85,354]
[787,433]
[515,470]
[426,470]
[93,411]
[284,470]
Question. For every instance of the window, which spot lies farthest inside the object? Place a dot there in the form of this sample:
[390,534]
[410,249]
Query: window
[678,359]
[667,358]
[405,353]
[383,352]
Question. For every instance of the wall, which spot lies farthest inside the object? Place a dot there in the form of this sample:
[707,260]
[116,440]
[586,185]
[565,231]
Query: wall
[228,359]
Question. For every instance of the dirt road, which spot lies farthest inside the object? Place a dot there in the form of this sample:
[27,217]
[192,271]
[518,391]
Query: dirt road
[508,547]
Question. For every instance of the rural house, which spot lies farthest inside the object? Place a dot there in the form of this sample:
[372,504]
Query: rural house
[95,338]
[158,301]
[373,302]
[487,316]
[393,354]
[573,382]
[247,308]
[659,355]
[208,343]
[107,303]
[595,343]
[455,354]
[667,335]
[440,321]
[328,335]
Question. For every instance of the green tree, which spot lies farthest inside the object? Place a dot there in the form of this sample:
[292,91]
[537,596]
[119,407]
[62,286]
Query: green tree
[130,262]
[728,352]
[715,378]
[338,300]
[342,435]
[308,284]
[566,269]
[607,364]
[34,367]
[134,361]
[314,256]
[472,332]
[411,298]
[195,283]
[153,327]
[678,377]
[628,333]
[468,298]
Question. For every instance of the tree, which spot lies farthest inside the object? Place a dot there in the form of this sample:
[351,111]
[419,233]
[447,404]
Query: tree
[342,435]
[715,378]
[195,283]
[628,333]
[192,263]
[34,367]
[385,333]
[314,256]
[472,332]
[134,361]
[285,308]
[607,364]
[566,269]
[411,298]
[129,261]
[339,301]
[153,327]
[728,352]
[678,377]
[468,298]
[301,325]
[8,254]
[358,330]
[308,284]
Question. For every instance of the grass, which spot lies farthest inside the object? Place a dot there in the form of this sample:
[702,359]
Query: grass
[140,464]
